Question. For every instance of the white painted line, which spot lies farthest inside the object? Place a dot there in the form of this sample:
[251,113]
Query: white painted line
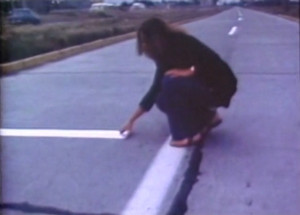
[232,31]
[240,15]
[106,134]
[151,192]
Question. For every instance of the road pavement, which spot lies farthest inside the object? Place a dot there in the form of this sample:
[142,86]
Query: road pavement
[250,163]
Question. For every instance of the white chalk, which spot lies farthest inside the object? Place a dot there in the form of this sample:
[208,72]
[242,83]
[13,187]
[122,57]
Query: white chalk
[125,134]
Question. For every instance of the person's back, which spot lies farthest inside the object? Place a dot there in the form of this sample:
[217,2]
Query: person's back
[183,50]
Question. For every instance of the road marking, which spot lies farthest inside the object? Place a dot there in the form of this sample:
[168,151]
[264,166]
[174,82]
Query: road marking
[151,192]
[240,13]
[232,31]
[105,134]
[240,16]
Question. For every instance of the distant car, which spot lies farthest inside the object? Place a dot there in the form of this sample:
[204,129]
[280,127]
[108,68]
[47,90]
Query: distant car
[220,3]
[23,16]
[98,7]
[137,6]
[146,3]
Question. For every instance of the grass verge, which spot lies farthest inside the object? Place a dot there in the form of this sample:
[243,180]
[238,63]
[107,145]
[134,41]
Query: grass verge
[26,41]
[292,11]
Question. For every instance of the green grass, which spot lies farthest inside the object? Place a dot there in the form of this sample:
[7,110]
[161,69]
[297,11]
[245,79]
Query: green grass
[19,42]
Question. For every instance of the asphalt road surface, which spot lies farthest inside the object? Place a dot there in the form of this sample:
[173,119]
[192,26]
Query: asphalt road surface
[250,163]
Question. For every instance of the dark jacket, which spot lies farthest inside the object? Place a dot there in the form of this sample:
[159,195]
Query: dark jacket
[183,51]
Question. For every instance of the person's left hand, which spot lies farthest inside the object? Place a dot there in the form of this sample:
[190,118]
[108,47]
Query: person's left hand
[176,73]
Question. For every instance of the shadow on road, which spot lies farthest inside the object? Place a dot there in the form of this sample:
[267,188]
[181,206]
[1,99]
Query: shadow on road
[29,208]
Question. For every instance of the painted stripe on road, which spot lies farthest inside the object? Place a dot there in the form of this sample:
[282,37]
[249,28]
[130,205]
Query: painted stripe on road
[240,16]
[240,13]
[105,134]
[151,192]
[232,31]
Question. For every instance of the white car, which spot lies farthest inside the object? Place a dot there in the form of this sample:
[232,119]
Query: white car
[137,6]
[98,7]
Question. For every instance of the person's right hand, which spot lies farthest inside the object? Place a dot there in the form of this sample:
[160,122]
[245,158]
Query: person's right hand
[127,127]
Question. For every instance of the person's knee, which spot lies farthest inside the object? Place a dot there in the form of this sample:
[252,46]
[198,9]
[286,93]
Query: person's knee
[162,103]
[171,84]
[168,94]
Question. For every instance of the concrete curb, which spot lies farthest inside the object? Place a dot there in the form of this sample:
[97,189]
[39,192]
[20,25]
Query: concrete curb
[38,60]
[61,54]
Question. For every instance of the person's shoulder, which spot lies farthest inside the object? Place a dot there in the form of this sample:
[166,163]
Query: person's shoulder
[200,46]
[181,35]
[183,40]
[188,39]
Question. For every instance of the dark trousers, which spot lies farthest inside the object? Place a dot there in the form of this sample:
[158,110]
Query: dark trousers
[187,103]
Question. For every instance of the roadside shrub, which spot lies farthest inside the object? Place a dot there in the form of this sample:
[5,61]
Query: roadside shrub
[26,41]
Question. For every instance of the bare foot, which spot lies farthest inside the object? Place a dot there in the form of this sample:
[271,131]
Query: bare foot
[187,141]
[197,137]
[181,143]
[216,120]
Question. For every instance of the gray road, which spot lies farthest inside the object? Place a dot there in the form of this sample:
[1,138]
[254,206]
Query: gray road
[250,163]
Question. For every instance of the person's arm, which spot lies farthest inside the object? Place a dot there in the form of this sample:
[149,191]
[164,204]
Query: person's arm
[176,73]
[149,98]
[129,125]
[146,103]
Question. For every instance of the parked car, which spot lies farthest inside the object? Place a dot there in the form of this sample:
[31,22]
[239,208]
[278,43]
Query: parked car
[99,7]
[146,3]
[24,16]
[137,6]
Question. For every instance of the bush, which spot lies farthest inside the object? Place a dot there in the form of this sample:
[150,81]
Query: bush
[26,41]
